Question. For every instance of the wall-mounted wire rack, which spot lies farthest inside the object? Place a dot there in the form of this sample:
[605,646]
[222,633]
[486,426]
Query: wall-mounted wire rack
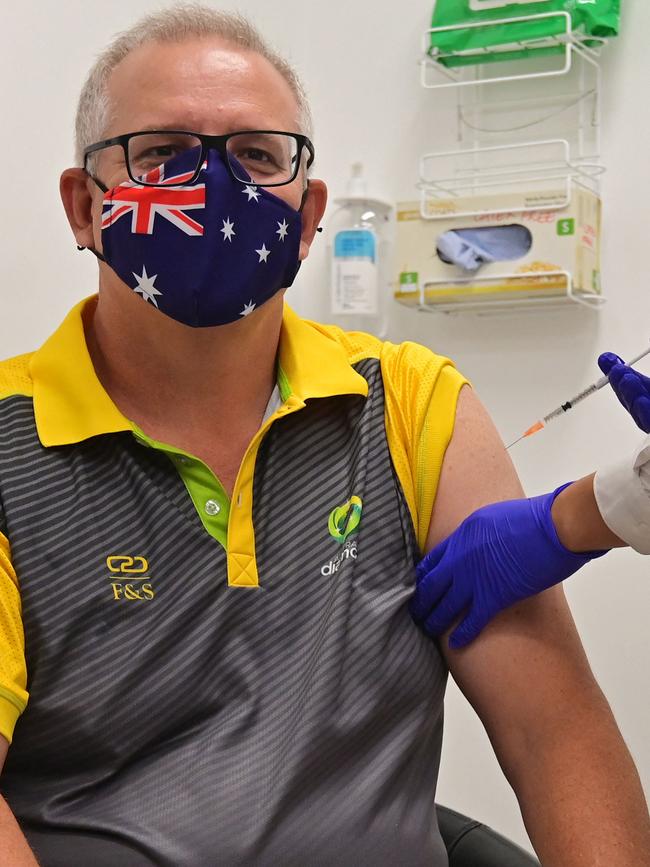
[530,124]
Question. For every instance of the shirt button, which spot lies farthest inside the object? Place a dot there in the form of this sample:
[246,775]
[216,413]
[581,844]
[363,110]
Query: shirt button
[212,507]
[182,459]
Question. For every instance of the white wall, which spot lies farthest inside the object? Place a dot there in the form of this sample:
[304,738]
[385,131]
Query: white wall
[359,62]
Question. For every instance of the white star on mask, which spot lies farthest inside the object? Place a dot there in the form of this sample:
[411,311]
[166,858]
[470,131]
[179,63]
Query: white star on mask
[263,253]
[282,231]
[248,308]
[251,192]
[145,286]
[228,230]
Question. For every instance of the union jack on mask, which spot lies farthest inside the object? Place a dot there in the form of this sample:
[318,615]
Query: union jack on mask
[205,254]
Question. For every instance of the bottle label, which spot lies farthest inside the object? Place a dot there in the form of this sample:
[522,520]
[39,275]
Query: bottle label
[355,283]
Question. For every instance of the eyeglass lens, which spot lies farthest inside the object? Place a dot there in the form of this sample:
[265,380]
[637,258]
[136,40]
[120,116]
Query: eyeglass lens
[260,158]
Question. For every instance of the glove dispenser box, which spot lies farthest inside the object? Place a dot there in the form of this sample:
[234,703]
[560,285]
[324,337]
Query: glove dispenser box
[502,248]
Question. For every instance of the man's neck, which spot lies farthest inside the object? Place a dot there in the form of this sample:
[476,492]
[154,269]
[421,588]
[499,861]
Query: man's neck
[171,379]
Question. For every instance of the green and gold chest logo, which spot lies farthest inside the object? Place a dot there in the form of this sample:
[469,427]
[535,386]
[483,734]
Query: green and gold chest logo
[344,520]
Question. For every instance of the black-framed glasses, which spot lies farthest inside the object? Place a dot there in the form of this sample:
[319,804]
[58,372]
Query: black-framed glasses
[266,158]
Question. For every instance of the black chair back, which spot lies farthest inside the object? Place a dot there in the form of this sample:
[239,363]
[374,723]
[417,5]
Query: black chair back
[471,844]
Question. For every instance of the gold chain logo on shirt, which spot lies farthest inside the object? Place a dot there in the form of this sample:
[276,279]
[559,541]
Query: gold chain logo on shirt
[129,579]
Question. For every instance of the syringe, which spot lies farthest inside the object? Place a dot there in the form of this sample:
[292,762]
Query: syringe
[565,407]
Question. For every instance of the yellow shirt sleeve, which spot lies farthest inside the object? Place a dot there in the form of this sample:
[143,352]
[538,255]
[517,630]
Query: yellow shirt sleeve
[422,391]
[13,670]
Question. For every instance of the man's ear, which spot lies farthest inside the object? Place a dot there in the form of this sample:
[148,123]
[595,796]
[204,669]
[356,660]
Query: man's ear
[78,203]
[312,214]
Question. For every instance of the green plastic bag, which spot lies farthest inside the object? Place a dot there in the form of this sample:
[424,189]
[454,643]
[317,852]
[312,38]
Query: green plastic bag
[599,18]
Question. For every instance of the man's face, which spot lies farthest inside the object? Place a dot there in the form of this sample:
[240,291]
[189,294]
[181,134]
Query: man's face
[200,85]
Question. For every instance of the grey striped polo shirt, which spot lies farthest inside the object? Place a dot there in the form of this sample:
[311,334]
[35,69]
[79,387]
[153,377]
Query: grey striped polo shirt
[265,703]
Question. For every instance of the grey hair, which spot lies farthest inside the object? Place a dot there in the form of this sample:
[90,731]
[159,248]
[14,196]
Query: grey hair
[181,22]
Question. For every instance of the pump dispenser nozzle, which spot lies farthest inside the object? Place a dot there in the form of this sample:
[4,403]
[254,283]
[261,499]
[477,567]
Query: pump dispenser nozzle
[357,188]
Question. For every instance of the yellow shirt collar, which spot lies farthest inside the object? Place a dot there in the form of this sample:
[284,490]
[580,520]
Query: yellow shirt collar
[314,363]
[71,405]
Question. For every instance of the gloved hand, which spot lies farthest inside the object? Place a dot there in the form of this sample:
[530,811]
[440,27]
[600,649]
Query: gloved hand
[631,388]
[499,555]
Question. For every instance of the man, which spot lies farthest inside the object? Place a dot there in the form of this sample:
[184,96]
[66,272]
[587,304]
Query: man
[212,529]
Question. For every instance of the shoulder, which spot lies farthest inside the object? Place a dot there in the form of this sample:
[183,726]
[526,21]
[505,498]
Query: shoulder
[15,377]
[404,366]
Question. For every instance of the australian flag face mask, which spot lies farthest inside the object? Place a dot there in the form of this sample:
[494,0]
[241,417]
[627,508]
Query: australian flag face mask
[205,254]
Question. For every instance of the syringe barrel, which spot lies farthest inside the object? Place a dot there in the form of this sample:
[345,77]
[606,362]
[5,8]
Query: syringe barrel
[584,394]
[570,403]
[555,414]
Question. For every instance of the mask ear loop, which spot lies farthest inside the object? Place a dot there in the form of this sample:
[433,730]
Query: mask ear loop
[303,201]
[99,255]
[104,189]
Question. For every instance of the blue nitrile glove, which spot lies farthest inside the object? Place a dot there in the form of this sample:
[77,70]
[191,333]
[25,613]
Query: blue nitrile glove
[631,388]
[499,555]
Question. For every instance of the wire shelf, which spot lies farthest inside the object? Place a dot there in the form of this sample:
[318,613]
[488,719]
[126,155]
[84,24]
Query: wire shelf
[554,290]
[571,43]
[543,169]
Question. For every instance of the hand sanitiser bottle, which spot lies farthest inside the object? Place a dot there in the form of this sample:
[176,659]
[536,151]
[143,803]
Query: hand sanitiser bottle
[359,248]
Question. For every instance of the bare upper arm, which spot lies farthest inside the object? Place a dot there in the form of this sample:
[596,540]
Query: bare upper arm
[529,659]
[476,470]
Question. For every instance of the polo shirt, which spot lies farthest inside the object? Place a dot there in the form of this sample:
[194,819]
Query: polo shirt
[196,679]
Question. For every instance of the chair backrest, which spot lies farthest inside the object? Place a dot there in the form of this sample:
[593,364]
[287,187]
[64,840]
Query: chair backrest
[471,844]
